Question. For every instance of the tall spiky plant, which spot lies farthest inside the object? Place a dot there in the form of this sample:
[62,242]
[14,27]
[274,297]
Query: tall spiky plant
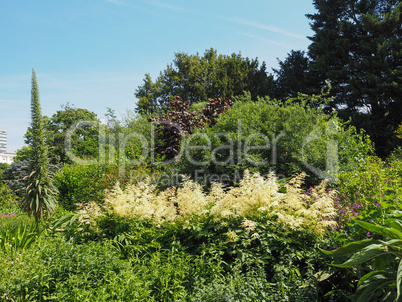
[40,193]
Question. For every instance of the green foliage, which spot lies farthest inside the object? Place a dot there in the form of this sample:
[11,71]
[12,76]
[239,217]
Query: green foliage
[3,168]
[6,197]
[288,138]
[244,260]
[84,127]
[16,234]
[40,196]
[39,199]
[61,271]
[360,53]
[250,286]
[79,184]
[370,193]
[189,260]
[236,227]
[293,76]
[398,131]
[383,282]
[79,127]
[396,154]
[197,78]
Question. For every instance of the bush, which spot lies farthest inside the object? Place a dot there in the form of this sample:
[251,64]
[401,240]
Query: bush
[178,121]
[255,197]
[288,138]
[183,233]
[7,199]
[369,193]
[61,271]
[15,177]
[83,184]
[253,285]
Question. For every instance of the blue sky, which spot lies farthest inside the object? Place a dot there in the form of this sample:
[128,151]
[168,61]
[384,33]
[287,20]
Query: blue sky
[94,53]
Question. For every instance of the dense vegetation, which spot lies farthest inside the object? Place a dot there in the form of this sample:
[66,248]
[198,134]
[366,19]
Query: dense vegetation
[226,184]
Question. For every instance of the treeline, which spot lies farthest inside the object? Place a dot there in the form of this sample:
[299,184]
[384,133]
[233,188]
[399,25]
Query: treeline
[356,46]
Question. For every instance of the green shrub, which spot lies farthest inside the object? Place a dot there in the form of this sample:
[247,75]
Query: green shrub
[253,285]
[397,153]
[293,137]
[61,271]
[180,227]
[82,183]
[290,205]
[382,281]
[7,199]
[371,192]
[189,260]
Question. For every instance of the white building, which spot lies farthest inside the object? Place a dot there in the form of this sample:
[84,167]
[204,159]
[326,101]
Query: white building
[7,158]
[3,141]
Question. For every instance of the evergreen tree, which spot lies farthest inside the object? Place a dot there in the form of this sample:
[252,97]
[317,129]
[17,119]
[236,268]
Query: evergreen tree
[293,76]
[357,46]
[40,193]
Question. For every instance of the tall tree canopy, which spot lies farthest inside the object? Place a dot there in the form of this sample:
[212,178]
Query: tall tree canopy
[357,46]
[293,76]
[197,78]
[84,126]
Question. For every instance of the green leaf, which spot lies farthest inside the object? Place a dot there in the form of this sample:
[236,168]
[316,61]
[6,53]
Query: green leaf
[350,248]
[384,261]
[399,282]
[378,229]
[368,253]
[395,224]
[375,282]
[368,276]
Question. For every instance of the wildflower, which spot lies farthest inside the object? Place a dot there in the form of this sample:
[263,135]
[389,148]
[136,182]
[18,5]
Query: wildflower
[248,225]
[255,235]
[232,235]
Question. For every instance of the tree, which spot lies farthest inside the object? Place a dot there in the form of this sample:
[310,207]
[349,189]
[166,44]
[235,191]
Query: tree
[293,76]
[357,46]
[198,78]
[179,121]
[147,95]
[84,126]
[40,193]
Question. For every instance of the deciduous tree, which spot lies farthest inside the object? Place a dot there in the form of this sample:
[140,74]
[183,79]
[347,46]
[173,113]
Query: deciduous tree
[198,78]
